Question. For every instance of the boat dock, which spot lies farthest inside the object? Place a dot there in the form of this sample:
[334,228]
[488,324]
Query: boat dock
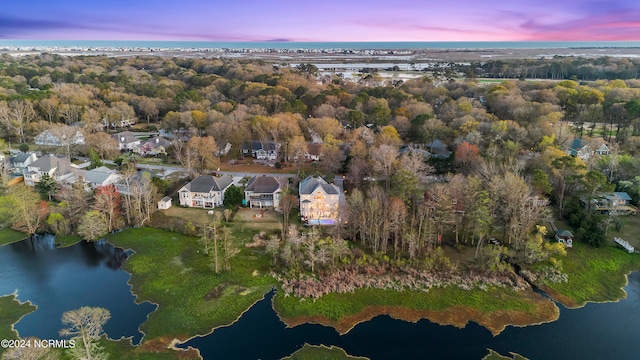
[630,249]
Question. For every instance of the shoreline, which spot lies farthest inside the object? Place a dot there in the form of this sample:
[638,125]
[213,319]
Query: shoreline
[571,304]
[26,302]
[339,55]
[177,341]
[458,316]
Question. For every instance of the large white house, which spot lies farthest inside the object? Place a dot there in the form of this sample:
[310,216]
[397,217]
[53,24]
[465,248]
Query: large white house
[60,169]
[205,191]
[47,138]
[319,201]
[261,151]
[265,191]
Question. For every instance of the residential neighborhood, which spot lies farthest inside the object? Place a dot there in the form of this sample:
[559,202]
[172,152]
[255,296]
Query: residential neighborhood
[219,183]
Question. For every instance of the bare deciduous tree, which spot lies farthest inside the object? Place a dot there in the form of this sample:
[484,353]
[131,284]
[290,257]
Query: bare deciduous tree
[16,116]
[85,326]
[383,157]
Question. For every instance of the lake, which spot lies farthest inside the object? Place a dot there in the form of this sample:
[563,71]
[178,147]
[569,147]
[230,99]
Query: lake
[596,331]
[58,280]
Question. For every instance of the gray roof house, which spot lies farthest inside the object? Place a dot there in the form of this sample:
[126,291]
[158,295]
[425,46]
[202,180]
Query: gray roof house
[101,176]
[126,140]
[584,150]
[164,203]
[47,138]
[205,191]
[153,146]
[19,162]
[59,168]
[319,201]
[265,191]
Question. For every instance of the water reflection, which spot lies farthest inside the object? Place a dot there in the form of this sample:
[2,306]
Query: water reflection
[597,331]
[61,279]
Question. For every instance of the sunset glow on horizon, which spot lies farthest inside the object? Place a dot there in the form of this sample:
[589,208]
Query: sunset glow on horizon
[358,20]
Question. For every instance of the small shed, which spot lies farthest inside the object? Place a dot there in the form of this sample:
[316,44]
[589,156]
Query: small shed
[164,203]
[565,237]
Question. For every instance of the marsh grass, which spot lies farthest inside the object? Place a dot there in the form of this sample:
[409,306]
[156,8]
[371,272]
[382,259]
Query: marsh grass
[594,274]
[170,269]
[11,311]
[321,352]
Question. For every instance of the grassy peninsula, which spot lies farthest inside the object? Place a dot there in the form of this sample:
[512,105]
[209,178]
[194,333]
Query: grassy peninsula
[8,236]
[596,275]
[313,352]
[11,311]
[494,308]
[169,269]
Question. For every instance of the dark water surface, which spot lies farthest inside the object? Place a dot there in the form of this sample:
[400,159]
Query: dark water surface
[58,280]
[596,331]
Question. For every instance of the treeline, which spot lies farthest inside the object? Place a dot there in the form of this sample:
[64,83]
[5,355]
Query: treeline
[74,210]
[235,101]
[556,68]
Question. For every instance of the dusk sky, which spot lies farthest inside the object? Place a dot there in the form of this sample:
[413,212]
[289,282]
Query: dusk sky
[328,20]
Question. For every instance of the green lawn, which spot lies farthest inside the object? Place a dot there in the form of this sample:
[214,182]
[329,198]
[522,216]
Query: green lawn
[8,236]
[595,274]
[67,240]
[171,270]
[628,231]
[312,352]
[194,215]
[11,311]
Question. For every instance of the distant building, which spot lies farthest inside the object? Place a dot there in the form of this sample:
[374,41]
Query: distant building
[156,145]
[224,150]
[314,152]
[46,138]
[265,191]
[582,149]
[205,191]
[319,201]
[19,162]
[616,203]
[261,151]
[126,140]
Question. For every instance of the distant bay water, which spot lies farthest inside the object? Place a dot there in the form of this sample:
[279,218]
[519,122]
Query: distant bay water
[470,45]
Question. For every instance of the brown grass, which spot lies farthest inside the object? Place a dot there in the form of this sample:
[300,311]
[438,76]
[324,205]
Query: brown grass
[267,219]
[167,345]
[546,311]
[194,215]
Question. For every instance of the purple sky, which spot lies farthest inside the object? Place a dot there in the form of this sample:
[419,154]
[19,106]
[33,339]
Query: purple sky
[328,20]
